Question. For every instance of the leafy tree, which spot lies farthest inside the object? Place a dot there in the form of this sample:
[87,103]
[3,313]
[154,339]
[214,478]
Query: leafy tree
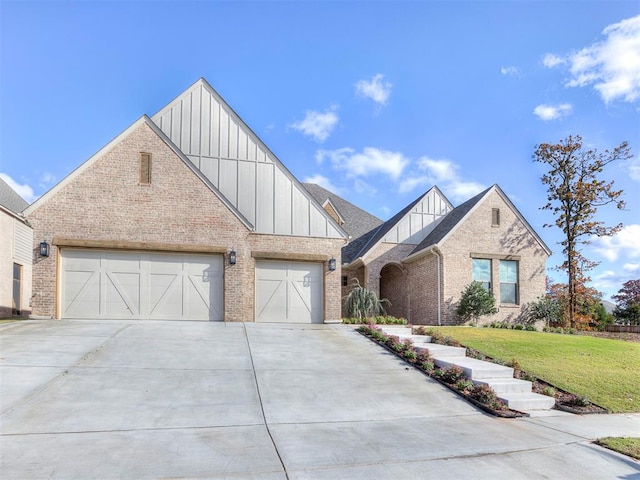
[628,303]
[361,302]
[476,302]
[575,192]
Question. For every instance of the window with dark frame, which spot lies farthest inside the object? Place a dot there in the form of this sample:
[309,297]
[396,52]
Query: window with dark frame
[345,281]
[145,168]
[481,272]
[509,281]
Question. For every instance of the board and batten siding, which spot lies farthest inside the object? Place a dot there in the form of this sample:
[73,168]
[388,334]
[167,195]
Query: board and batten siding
[240,166]
[421,220]
[22,243]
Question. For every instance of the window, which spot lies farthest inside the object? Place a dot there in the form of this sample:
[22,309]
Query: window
[145,168]
[495,217]
[508,281]
[17,287]
[481,272]
[345,281]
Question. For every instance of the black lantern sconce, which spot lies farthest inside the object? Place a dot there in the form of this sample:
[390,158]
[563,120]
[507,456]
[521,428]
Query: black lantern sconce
[332,264]
[44,249]
[232,257]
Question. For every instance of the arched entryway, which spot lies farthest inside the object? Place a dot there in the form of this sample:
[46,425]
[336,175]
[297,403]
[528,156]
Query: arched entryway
[394,289]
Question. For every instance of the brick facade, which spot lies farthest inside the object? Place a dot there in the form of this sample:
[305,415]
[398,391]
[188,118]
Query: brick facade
[106,202]
[477,237]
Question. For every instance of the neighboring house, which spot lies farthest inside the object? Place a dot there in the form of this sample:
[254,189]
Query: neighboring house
[16,239]
[423,257]
[186,215]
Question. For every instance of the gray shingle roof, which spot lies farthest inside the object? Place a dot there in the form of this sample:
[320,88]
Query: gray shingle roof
[10,199]
[357,222]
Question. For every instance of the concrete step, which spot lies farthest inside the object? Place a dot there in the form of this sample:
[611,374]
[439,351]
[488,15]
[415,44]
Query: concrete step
[506,386]
[442,351]
[395,329]
[526,402]
[475,369]
[415,338]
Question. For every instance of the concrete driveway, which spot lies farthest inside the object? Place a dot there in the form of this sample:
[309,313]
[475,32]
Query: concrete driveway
[139,400]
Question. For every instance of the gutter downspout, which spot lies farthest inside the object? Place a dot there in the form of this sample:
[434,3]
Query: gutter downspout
[439,275]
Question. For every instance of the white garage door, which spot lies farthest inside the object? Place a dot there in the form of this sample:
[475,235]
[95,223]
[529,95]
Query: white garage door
[112,284]
[289,292]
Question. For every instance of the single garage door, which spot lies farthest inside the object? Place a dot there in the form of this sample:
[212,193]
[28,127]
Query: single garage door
[134,285]
[289,292]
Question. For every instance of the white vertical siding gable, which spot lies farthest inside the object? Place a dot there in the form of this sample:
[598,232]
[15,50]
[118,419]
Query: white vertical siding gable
[240,166]
[421,220]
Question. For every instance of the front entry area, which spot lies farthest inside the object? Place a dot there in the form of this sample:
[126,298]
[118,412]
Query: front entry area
[289,292]
[103,284]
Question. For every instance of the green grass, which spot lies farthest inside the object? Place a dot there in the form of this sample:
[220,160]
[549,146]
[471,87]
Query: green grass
[624,445]
[604,370]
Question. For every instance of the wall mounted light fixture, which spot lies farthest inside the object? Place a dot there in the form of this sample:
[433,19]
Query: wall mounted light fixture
[44,249]
[332,264]
[232,257]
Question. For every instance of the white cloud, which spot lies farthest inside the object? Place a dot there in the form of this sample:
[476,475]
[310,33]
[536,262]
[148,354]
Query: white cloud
[411,183]
[552,112]
[612,65]
[625,244]
[361,187]
[318,125]
[375,89]
[550,60]
[634,169]
[24,190]
[368,162]
[509,70]
[631,267]
[443,173]
[47,179]
[324,182]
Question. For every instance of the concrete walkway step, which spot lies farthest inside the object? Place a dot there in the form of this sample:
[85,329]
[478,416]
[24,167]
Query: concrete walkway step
[506,385]
[442,351]
[416,339]
[475,369]
[525,402]
[396,329]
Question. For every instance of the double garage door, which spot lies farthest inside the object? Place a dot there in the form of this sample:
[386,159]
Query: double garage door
[112,284]
[101,284]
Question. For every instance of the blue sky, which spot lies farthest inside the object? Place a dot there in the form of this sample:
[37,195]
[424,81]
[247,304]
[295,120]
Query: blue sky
[375,101]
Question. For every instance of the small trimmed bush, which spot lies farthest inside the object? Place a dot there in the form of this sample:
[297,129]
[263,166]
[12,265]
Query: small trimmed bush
[451,374]
[549,391]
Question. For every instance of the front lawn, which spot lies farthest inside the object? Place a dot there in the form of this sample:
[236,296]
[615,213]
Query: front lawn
[625,445]
[604,370]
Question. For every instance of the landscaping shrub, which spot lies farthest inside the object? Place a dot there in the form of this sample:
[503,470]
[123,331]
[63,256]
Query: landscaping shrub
[581,401]
[377,320]
[410,354]
[361,302]
[486,395]
[451,374]
[450,341]
[464,385]
[428,366]
[423,356]
[549,391]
